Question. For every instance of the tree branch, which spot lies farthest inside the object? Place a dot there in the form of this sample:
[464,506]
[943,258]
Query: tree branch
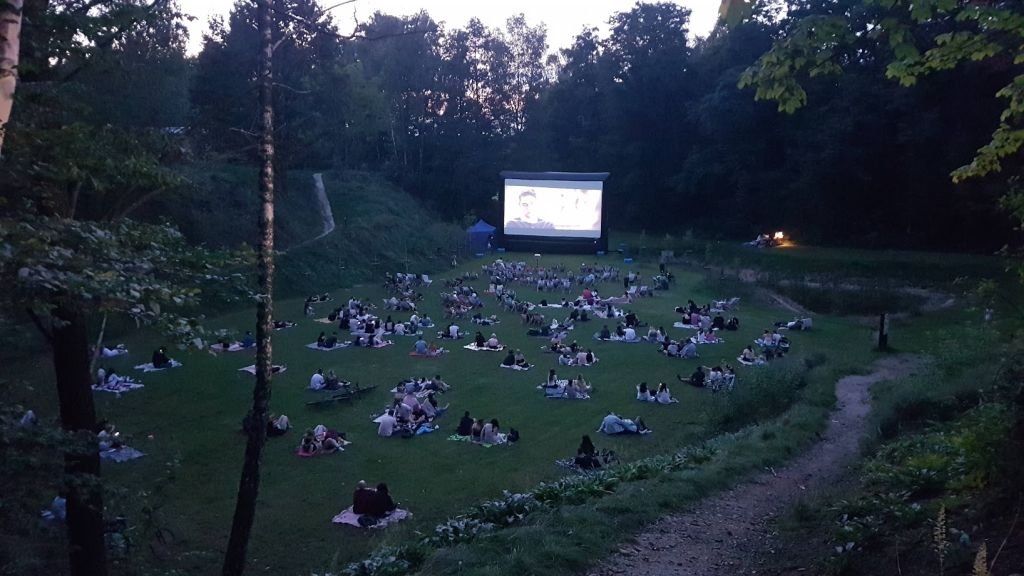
[48,334]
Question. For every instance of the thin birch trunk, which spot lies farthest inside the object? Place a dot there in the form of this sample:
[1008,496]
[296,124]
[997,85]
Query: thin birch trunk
[256,421]
[10,43]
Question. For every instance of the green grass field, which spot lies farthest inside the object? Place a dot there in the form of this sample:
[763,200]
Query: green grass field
[193,415]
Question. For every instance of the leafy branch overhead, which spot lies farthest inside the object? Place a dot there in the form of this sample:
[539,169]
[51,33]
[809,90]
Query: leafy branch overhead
[149,272]
[920,38]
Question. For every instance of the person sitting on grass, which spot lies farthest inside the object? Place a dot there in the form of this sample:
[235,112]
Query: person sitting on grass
[521,360]
[421,348]
[552,381]
[698,378]
[614,424]
[382,503]
[492,342]
[331,341]
[387,424]
[431,408]
[453,332]
[479,339]
[436,384]
[489,432]
[748,355]
[581,385]
[160,359]
[363,499]
[248,341]
[476,430]
[586,455]
[314,443]
[277,426]
[316,381]
[643,393]
[465,427]
[664,395]
[411,400]
[689,350]
[605,333]
[565,357]
[510,358]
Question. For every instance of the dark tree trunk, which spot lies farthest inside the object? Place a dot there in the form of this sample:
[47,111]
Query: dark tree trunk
[256,420]
[82,461]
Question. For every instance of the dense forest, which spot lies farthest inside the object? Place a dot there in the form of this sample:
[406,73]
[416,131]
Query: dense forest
[103,127]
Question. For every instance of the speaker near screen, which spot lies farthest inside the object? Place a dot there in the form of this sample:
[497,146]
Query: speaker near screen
[554,211]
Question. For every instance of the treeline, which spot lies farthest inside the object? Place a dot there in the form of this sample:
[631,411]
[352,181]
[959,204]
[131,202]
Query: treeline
[440,110]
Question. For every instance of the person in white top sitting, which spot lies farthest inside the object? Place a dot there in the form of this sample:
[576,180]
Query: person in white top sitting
[453,332]
[387,425]
[400,329]
[629,335]
[643,393]
[581,358]
[492,342]
[664,396]
[316,382]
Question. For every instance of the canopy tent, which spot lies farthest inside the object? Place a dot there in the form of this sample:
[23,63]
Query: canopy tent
[478,235]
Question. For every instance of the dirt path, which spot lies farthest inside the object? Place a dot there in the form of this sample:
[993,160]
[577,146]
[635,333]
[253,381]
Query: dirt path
[733,532]
[326,214]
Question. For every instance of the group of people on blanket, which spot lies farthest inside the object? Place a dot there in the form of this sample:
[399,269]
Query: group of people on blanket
[318,381]
[715,377]
[484,432]
[662,396]
[372,505]
[700,318]
[515,358]
[460,302]
[408,414]
[573,388]
[771,345]
[491,343]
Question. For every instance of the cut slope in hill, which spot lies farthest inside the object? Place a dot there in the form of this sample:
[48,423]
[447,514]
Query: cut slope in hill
[378,227]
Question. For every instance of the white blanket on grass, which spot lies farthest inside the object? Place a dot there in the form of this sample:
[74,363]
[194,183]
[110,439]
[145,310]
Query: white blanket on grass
[476,348]
[337,346]
[251,369]
[514,367]
[686,326]
[346,516]
[118,387]
[122,454]
[148,366]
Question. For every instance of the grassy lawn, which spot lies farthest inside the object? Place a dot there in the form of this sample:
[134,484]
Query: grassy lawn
[193,415]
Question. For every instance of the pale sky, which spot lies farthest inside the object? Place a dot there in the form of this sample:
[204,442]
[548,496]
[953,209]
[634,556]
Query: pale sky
[564,18]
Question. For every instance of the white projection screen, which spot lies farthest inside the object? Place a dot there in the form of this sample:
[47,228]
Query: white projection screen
[553,208]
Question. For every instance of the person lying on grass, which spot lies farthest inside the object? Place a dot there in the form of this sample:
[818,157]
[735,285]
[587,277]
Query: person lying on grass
[614,424]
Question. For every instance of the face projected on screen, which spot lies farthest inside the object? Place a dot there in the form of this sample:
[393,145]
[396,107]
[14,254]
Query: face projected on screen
[528,214]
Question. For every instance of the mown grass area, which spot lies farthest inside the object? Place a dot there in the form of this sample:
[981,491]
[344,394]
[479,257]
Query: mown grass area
[798,262]
[193,415]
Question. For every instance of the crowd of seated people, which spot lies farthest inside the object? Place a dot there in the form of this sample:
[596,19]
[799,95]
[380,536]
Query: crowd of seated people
[372,505]
[459,303]
[550,278]
[408,416]
[679,349]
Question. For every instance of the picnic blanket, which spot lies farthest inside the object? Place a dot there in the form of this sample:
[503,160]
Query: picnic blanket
[385,344]
[114,352]
[514,367]
[614,338]
[122,454]
[251,369]
[233,347]
[324,320]
[437,354]
[687,326]
[476,348]
[118,387]
[337,346]
[148,366]
[347,516]
[286,326]
[502,439]
[341,443]
[747,363]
